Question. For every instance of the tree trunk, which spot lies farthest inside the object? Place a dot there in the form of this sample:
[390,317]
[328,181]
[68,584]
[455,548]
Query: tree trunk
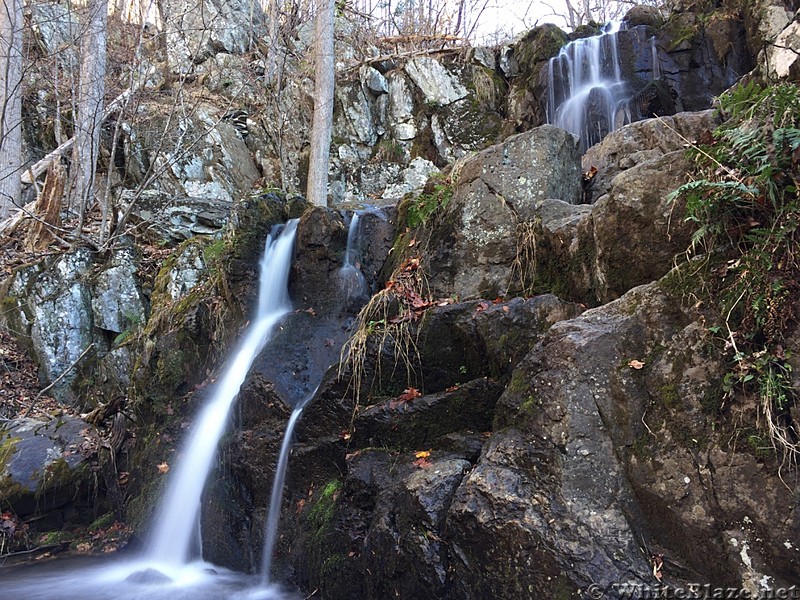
[11,160]
[317,190]
[91,91]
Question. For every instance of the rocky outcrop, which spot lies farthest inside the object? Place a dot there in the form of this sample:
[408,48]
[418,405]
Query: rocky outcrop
[673,65]
[400,121]
[472,242]
[593,408]
[642,142]
[602,460]
[383,474]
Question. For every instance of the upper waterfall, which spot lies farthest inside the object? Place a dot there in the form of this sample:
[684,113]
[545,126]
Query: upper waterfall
[587,95]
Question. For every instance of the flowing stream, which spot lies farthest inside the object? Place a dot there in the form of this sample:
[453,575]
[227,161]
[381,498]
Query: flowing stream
[586,93]
[171,567]
[178,523]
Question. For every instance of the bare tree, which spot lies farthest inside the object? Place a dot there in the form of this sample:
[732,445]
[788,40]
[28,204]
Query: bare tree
[90,101]
[11,98]
[322,125]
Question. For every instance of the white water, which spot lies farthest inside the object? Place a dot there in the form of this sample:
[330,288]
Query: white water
[273,516]
[177,526]
[167,559]
[586,93]
[352,234]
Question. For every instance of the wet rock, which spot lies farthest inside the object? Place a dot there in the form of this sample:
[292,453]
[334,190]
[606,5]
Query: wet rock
[417,423]
[148,577]
[526,103]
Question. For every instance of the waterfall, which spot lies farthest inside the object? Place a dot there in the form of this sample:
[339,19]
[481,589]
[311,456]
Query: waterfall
[654,58]
[352,233]
[273,516]
[177,525]
[586,93]
[352,279]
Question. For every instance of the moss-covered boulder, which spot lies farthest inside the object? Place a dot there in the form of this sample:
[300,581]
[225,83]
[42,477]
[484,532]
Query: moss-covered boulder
[47,470]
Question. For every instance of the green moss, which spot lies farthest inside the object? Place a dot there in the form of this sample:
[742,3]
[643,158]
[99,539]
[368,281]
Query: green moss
[8,446]
[321,514]
[669,396]
[642,446]
[435,197]
[103,521]
[214,250]
[518,383]
[58,475]
[529,405]
[332,563]
[713,398]
[49,538]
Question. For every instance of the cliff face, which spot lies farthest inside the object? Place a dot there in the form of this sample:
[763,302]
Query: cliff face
[531,398]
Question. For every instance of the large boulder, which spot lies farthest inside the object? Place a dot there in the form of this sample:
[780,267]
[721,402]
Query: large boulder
[641,142]
[374,479]
[609,452]
[46,467]
[472,243]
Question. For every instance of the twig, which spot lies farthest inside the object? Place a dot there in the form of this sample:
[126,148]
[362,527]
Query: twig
[57,379]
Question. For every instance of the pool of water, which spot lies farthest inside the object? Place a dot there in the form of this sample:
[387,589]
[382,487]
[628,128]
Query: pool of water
[90,578]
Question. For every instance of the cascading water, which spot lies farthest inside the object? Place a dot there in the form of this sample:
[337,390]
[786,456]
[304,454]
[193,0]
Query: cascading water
[177,525]
[273,516]
[164,572]
[586,93]
[354,284]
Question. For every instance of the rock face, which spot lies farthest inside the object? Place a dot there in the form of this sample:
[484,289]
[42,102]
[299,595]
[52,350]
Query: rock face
[398,123]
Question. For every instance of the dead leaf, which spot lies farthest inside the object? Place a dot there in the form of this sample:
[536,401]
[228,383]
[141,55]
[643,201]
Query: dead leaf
[422,454]
[412,243]
[300,505]
[163,468]
[635,364]
[406,397]
[657,560]
[422,463]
